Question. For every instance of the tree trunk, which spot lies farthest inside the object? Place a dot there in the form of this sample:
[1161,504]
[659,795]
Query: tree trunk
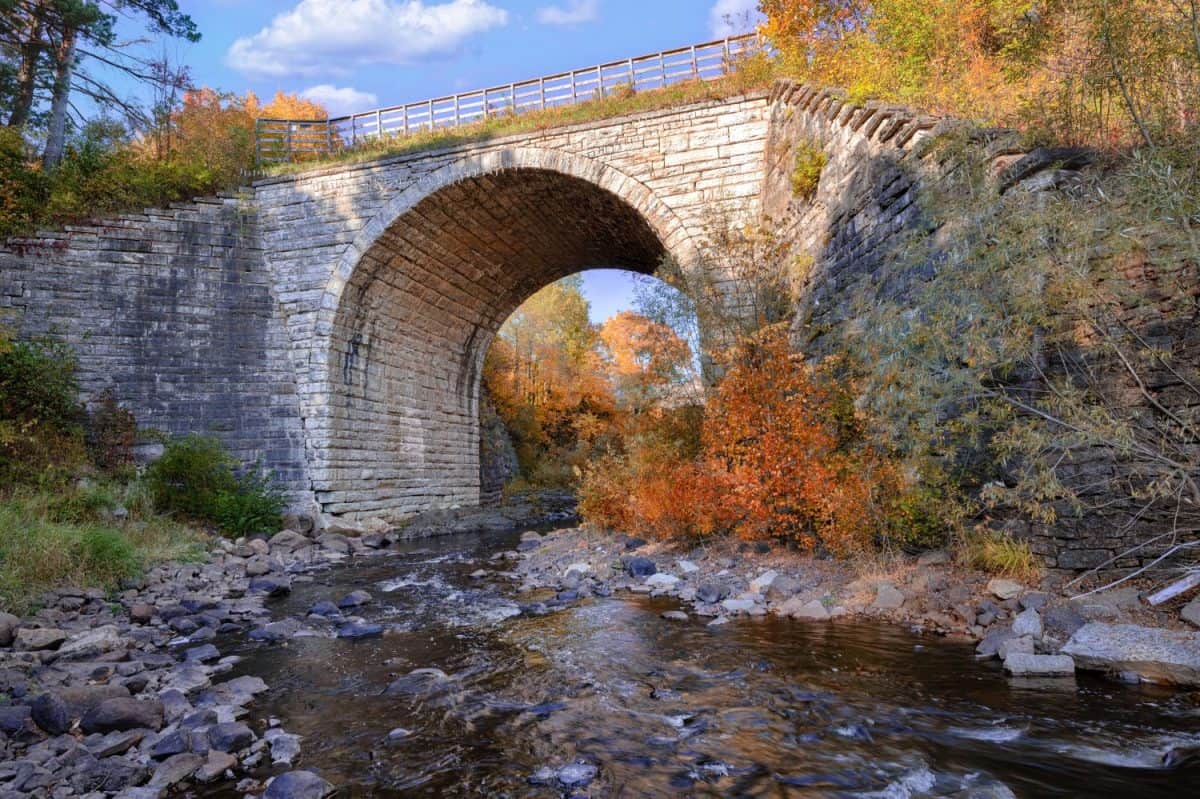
[31,52]
[64,64]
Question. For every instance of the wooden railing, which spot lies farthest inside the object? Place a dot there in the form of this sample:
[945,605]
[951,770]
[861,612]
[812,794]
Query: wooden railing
[282,140]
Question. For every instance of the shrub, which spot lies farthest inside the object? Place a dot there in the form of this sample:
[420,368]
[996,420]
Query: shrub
[41,436]
[196,477]
[256,506]
[111,433]
[806,175]
[916,519]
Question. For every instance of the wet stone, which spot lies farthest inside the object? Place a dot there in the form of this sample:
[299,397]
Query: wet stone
[355,599]
[230,737]
[298,785]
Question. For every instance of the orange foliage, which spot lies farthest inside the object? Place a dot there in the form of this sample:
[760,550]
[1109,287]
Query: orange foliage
[1100,71]
[781,458]
[646,358]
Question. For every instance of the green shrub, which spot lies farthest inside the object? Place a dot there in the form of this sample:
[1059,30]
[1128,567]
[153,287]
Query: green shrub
[916,519]
[23,188]
[196,477]
[806,175]
[41,435]
[190,475]
[255,507]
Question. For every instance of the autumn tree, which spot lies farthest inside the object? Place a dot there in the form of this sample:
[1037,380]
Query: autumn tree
[649,363]
[1096,71]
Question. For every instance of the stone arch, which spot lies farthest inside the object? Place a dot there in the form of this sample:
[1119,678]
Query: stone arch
[409,310]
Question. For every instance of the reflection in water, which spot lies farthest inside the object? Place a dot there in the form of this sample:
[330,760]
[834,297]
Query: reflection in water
[757,707]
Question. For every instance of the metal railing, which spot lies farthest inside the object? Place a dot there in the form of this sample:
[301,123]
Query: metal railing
[283,140]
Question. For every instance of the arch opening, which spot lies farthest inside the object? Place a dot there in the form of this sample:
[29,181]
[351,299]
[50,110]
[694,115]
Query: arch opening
[418,311]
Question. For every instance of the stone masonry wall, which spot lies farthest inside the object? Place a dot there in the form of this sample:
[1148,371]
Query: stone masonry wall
[850,240]
[173,311]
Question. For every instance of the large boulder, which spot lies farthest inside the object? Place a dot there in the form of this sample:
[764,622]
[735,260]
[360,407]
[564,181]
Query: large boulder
[124,713]
[35,639]
[1026,664]
[639,566]
[91,644]
[1154,655]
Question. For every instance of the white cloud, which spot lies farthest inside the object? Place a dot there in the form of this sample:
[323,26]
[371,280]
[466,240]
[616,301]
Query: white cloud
[731,17]
[574,12]
[334,36]
[340,100]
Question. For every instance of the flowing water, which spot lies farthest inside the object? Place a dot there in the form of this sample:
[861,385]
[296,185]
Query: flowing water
[756,707]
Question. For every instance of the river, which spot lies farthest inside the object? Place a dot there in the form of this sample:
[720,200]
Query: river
[647,707]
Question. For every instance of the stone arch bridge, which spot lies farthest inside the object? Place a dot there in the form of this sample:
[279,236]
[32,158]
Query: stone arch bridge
[332,324]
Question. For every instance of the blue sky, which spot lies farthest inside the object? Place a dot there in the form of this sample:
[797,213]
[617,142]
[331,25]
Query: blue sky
[353,55]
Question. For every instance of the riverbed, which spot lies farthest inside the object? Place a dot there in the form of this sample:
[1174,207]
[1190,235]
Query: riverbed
[476,690]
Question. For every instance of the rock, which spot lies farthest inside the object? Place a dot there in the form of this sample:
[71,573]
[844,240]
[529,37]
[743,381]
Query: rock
[1062,621]
[357,631]
[16,719]
[345,527]
[141,613]
[1191,612]
[934,557]
[662,580]
[215,766]
[577,774]
[887,597]
[205,653]
[632,542]
[116,743]
[1023,664]
[711,593]
[738,605]
[355,599]
[812,610]
[1001,588]
[297,785]
[686,566]
[50,713]
[289,541]
[334,542]
[762,582]
[231,736]
[8,628]
[577,568]
[399,734]
[373,525]
[990,645]
[674,615]
[1027,622]
[639,566]
[783,588]
[35,639]
[175,769]
[1034,601]
[271,586]
[285,748]
[259,565]
[123,714]
[1022,645]
[324,608]
[1155,655]
[300,522]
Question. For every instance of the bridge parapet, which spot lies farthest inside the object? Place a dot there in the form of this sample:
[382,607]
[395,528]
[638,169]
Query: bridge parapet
[286,140]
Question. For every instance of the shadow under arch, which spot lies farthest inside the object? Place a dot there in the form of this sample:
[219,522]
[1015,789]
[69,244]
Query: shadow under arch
[409,310]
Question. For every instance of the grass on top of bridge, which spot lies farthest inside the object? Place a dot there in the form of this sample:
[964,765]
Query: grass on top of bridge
[753,75]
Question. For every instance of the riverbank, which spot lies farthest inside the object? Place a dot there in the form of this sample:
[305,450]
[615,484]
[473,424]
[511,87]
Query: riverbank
[132,694]
[1034,629]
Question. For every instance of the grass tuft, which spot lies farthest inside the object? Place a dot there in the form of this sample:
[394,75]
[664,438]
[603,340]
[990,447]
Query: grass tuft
[72,536]
[1000,554]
